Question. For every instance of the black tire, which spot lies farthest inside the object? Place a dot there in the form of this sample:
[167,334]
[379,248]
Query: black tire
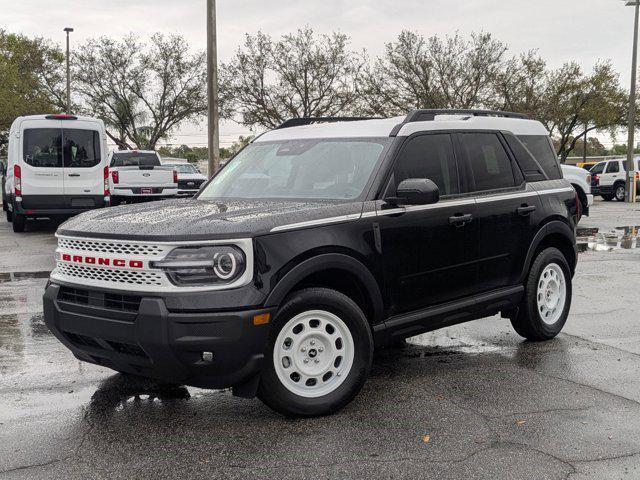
[280,398]
[607,198]
[115,201]
[9,216]
[19,223]
[619,192]
[528,321]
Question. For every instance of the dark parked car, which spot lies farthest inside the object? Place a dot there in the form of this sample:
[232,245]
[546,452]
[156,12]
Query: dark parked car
[315,245]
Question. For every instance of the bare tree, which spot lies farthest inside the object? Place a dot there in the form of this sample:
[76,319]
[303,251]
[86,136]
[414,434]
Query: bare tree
[298,75]
[419,72]
[141,91]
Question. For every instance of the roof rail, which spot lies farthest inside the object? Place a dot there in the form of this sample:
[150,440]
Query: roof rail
[426,115]
[298,122]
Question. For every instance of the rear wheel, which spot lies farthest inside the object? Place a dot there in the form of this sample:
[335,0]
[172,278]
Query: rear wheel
[547,300]
[9,216]
[318,356]
[19,222]
[619,192]
[115,201]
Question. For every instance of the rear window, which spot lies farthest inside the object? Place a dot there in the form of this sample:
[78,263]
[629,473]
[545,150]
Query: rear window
[81,148]
[42,147]
[134,159]
[55,148]
[541,148]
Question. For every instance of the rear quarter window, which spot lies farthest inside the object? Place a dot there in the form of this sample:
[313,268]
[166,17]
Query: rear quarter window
[540,147]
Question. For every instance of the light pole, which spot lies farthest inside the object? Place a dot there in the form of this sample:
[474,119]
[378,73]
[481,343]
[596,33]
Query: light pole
[68,30]
[212,88]
[631,177]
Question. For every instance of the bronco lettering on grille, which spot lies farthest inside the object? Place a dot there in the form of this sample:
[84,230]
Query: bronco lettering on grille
[116,262]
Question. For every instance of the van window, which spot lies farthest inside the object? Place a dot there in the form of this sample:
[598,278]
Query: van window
[81,148]
[489,163]
[42,147]
[134,159]
[541,148]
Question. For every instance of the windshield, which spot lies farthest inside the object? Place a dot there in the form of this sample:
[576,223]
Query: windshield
[182,167]
[134,159]
[331,169]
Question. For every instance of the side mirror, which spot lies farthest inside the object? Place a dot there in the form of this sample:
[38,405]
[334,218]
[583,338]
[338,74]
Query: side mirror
[417,191]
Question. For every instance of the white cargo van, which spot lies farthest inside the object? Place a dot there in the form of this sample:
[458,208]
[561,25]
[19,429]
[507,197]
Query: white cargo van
[57,167]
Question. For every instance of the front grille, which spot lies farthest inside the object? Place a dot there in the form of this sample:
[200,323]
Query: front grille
[106,345]
[110,276]
[125,303]
[74,295]
[195,184]
[111,247]
[111,301]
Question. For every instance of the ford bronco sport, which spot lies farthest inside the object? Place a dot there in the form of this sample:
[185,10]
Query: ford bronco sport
[319,242]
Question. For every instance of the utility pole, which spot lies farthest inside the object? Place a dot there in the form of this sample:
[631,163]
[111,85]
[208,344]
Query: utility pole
[68,30]
[631,197]
[212,89]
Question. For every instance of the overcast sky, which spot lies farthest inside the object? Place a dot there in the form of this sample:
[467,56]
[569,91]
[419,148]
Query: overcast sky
[562,30]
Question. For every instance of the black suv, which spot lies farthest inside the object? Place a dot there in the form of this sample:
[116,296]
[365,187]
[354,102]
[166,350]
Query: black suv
[319,242]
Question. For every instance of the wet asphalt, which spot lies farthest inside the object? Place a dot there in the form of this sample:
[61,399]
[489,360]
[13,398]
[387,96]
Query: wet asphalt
[472,401]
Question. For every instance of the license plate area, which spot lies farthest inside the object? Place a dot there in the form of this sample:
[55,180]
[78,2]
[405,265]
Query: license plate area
[146,191]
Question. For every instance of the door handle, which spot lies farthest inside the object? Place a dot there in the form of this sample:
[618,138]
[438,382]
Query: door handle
[526,210]
[74,174]
[460,220]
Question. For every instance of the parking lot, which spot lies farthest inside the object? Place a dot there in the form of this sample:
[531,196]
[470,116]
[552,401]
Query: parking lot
[472,401]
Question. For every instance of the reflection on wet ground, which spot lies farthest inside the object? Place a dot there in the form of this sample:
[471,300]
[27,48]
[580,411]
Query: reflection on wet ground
[621,238]
[18,276]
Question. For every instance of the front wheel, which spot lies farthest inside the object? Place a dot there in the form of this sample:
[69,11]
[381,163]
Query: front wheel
[547,299]
[319,354]
[619,192]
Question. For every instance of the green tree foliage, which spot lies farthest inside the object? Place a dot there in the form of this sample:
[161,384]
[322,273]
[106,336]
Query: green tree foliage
[297,75]
[31,79]
[141,91]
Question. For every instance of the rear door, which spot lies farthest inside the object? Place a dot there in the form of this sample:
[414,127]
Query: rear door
[40,162]
[83,164]
[507,211]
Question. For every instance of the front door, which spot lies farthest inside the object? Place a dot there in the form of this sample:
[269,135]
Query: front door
[428,251]
[83,166]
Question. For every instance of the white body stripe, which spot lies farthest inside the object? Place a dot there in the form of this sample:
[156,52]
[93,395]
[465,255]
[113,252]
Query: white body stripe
[418,208]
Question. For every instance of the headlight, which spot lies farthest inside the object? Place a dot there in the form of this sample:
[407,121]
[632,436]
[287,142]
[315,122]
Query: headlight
[203,266]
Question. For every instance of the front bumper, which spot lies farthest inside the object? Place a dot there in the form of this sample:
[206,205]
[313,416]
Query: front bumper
[141,336]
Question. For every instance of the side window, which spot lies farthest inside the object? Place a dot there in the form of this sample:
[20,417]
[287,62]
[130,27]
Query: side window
[489,163]
[42,147]
[81,148]
[613,167]
[598,168]
[432,157]
[542,149]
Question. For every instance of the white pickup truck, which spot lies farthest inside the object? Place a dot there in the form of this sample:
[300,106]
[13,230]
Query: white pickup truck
[581,181]
[139,175]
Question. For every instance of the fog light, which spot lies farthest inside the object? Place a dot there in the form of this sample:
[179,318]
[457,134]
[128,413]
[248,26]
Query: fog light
[207,356]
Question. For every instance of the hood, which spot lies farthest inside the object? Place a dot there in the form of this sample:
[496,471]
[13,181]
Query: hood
[192,219]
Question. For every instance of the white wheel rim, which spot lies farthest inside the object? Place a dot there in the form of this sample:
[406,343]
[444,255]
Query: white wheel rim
[313,353]
[551,294]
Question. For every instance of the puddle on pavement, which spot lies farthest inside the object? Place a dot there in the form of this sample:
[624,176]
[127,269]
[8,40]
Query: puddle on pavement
[621,238]
[18,276]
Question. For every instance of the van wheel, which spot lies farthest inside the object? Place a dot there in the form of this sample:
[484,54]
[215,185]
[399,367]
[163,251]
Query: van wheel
[115,201]
[547,299]
[19,223]
[9,216]
[318,356]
